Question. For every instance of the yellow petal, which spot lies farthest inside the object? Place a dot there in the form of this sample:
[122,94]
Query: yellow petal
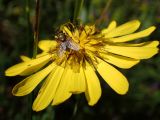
[120,61]
[27,67]
[111,26]
[28,84]
[66,30]
[76,34]
[47,45]
[93,91]
[25,58]
[41,54]
[78,82]
[48,90]
[63,90]
[143,44]
[124,29]
[134,36]
[89,29]
[113,77]
[34,69]
[133,52]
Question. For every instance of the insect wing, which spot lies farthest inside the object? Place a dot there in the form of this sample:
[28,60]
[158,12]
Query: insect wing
[62,49]
[63,45]
[72,45]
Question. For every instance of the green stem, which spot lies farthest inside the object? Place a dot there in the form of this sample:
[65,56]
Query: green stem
[28,25]
[98,21]
[35,45]
[76,106]
[29,28]
[78,7]
[75,110]
[36,28]
[29,98]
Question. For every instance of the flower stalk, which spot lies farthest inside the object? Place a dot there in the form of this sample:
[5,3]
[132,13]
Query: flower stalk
[99,20]
[36,28]
[35,45]
[29,98]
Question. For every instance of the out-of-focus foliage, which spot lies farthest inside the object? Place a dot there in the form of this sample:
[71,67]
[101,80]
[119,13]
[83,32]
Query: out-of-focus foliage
[142,102]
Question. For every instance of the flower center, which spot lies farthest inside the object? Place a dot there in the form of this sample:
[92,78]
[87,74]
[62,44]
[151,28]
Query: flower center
[66,43]
[77,45]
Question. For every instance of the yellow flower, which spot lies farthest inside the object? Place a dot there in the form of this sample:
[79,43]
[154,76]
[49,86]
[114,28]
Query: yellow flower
[71,60]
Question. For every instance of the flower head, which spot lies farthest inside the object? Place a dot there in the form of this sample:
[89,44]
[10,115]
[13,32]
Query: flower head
[71,60]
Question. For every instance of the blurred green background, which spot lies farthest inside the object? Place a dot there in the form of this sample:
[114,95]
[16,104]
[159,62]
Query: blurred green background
[142,102]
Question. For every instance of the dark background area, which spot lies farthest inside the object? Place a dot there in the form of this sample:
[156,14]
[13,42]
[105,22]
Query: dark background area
[142,102]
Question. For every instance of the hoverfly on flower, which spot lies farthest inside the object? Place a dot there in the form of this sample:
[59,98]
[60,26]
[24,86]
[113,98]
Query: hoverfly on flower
[65,42]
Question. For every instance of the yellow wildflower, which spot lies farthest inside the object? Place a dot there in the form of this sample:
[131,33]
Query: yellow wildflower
[71,60]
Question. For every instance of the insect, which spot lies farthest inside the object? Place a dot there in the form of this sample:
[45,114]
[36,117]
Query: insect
[66,43]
